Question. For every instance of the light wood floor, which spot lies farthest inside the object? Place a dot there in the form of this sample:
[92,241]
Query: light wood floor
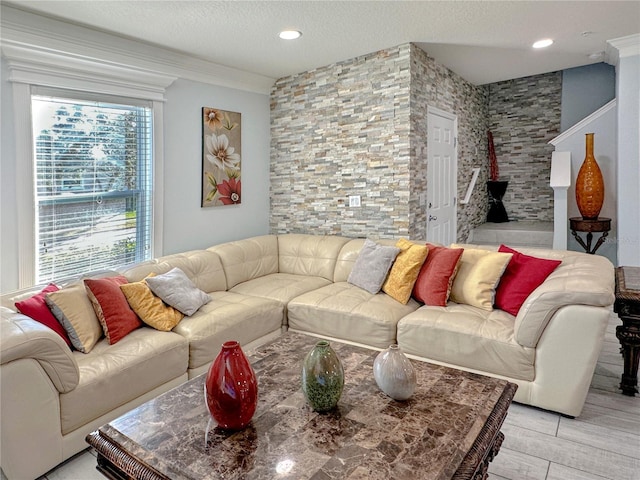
[603,443]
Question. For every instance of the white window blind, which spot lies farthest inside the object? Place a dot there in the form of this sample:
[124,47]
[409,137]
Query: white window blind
[93,184]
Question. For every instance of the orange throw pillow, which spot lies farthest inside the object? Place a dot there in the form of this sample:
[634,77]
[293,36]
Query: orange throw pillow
[433,285]
[111,307]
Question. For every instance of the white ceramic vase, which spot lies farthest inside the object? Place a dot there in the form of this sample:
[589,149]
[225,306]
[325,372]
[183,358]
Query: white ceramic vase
[394,373]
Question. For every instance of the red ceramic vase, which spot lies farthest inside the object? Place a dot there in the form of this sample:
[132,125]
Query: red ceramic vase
[231,388]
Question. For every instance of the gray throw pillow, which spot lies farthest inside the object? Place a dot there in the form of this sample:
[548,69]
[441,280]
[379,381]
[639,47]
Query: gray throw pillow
[177,290]
[372,266]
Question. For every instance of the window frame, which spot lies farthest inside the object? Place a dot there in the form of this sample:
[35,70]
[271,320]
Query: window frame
[63,73]
[144,228]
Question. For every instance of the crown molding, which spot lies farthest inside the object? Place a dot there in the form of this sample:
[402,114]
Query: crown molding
[20,29]
[618,48]
[583,123]
[38,66]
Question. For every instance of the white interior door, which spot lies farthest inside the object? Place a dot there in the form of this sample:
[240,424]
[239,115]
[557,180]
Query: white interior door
[442,168]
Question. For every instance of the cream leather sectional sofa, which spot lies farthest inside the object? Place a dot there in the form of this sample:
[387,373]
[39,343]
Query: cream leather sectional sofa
[52,397]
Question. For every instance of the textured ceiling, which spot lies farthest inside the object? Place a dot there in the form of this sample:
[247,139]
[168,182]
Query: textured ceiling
[483,41]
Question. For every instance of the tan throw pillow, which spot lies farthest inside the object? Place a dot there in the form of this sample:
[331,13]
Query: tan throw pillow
[478,275]
[151,309]
[73,309]
[405,270]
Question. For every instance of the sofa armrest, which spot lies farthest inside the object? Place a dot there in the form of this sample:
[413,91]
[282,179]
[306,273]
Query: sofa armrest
[581,279]
[23,337]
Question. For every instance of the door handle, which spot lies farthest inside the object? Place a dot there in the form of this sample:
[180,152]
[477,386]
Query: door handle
[431,217]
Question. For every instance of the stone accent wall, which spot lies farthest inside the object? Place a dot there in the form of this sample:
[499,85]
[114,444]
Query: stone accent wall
[359,128]
[524,114]
[337,131]
[434,85]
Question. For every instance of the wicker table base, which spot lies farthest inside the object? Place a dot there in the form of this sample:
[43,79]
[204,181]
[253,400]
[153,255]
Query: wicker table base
[449,428]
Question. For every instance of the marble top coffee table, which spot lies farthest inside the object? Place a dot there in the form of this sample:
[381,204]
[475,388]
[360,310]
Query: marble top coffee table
[449,428]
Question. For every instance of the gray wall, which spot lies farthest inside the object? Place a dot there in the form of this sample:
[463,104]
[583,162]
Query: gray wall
[628,93]
[186,224]
[585,90]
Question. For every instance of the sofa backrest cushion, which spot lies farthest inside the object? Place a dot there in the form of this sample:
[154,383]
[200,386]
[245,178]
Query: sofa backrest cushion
[315,255]
[247,259]
[203,267]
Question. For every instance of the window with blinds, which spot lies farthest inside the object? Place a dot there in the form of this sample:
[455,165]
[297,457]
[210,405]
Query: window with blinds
[93,185]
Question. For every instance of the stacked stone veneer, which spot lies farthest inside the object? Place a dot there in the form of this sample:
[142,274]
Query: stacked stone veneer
[433,85]
[524,114]
[359,128]
[337,131]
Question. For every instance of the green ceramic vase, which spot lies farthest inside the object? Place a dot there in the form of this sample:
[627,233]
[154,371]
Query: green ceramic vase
[322,377]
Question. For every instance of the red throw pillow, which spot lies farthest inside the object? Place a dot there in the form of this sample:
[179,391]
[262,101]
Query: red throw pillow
[523,275]
[433,285]
[111,307]
[36,308]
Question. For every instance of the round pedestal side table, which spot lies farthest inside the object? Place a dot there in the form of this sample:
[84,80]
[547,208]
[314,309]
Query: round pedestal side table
[600,225]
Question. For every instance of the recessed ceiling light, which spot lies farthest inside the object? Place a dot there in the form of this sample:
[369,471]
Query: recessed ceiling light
[542,43]
[290,34]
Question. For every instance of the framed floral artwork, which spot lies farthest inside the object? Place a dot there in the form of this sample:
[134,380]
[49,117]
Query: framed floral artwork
[221,157]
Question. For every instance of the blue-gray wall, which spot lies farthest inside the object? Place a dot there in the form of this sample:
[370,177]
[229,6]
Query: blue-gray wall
[187,225]
[585,90]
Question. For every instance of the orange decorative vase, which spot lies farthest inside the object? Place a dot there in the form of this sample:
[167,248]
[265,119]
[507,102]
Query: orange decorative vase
[589,184]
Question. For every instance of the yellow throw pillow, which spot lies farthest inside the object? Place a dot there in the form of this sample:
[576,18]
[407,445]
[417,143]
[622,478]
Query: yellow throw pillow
[405,270]
[151,309]
[478,276]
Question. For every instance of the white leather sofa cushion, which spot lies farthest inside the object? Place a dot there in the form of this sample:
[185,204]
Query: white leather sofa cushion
[23,337]
[112,375]
[281,287]
[469,337]
[312,255]
[203,268]
[228,316]
[344,311]
[247,259]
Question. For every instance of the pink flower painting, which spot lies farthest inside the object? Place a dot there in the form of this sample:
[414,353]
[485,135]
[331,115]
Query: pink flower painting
[221,157]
